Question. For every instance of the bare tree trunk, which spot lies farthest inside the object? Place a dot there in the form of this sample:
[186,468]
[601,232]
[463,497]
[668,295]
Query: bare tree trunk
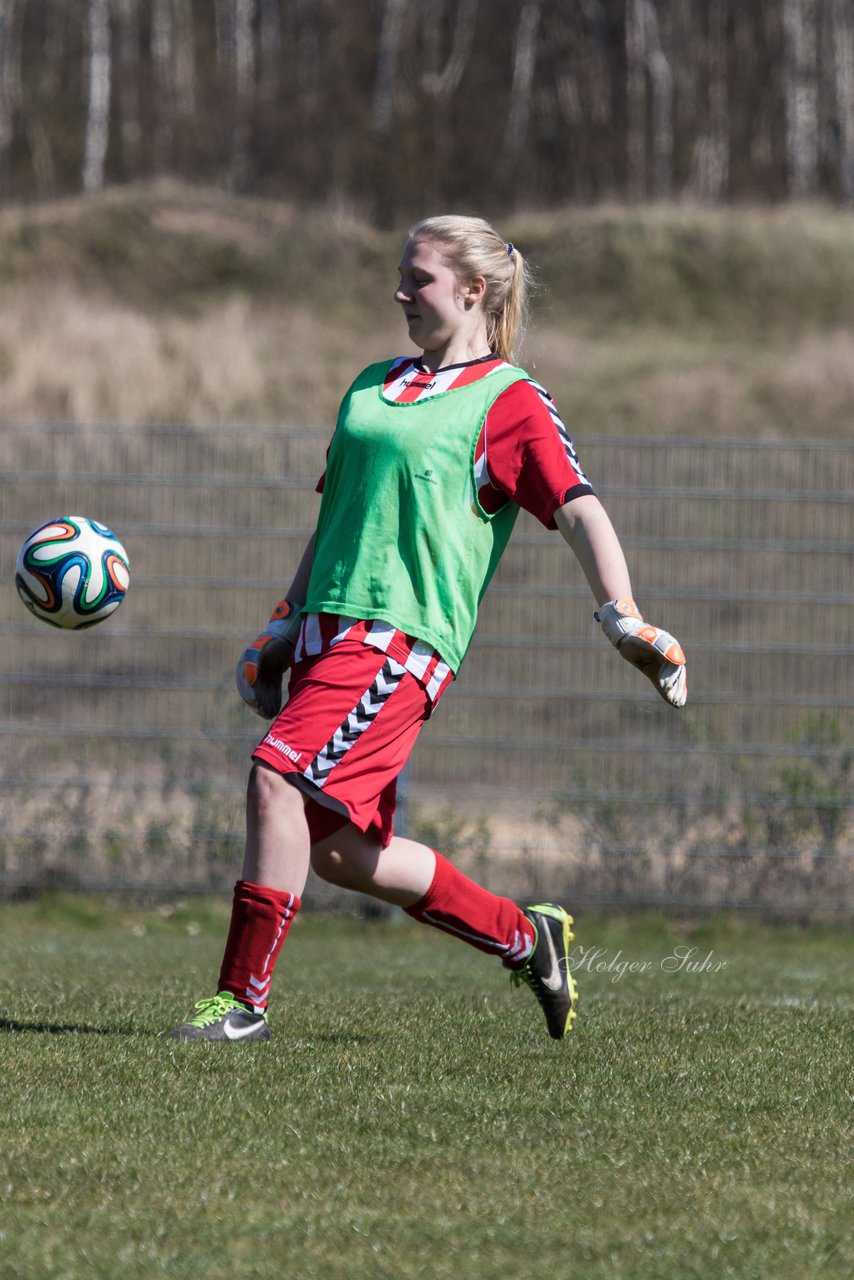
[718,99]
[645,54]
[9,84]
[710,175]
[131,129]
[521,87]
[161,58]
[662,105]
[310,54]
[391,32]
[599,71]
[98,115]
[40,139]
[843,47]
[184,61]
[635,100]
[383,108]
[442,83]
[224,28]
[576,39]
[269,49]
[244,89]
[799,27]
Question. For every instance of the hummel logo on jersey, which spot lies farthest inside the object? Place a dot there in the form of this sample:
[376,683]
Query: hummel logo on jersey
[427,475]
[278,745]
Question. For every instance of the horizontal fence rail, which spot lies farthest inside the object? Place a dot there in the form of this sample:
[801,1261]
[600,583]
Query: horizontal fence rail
[549,767]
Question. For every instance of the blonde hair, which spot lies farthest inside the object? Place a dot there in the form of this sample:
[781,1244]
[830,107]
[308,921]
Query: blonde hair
[474,248]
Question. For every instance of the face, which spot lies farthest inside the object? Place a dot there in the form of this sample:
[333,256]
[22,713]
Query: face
[439,308]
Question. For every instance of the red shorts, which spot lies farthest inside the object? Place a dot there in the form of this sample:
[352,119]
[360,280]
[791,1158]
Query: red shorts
[351,720]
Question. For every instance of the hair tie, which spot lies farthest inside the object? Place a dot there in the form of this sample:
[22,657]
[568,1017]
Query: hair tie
[510,248]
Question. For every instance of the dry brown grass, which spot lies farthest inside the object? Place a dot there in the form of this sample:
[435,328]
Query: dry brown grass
[167,303]
[66,354]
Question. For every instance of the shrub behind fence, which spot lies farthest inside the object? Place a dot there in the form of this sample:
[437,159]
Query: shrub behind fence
[550,767]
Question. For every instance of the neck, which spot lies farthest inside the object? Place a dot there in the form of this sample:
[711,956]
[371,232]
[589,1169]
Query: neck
[459,350]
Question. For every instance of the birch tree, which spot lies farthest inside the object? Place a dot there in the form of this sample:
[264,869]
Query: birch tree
[635,37]
[801,90]
[244,87]
[517,131]
[184,61]
[661,79]
[98,113]
[270,49]
[389,45]
[442,82]
[388,58]
[10,79]
[645,58]
[576,43]
[710,171]
[161,38]
[842,21]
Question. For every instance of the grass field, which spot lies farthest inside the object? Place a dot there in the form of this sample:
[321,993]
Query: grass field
[411,1116]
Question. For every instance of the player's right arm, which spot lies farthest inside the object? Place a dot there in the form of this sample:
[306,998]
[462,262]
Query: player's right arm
[527,455]
[263,663]
[588,531]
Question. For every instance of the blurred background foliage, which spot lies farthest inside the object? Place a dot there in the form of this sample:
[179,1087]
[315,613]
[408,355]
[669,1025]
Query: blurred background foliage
[394,106]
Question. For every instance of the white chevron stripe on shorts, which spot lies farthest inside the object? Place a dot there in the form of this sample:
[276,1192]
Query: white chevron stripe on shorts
[360,718]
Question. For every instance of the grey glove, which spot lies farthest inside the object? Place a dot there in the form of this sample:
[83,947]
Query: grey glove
[263,663]
[654,652]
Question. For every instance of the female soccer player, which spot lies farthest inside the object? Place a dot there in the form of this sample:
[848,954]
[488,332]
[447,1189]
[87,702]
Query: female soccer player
[432,457]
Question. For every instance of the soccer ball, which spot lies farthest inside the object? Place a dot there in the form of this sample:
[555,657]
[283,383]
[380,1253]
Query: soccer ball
[72,572]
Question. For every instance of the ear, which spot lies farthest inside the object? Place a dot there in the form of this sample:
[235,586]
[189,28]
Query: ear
[474,290]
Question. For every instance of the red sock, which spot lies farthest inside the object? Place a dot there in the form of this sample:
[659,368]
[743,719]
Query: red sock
[260,920]
[459,906]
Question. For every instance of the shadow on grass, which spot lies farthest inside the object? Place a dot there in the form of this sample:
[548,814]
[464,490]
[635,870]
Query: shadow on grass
[63,1028]
[344,1037]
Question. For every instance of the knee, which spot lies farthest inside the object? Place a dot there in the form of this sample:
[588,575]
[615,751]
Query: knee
[269,792]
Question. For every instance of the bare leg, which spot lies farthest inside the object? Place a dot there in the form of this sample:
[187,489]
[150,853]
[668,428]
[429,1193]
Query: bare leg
[265,902]
[401,873]
[428,887]
[277,839]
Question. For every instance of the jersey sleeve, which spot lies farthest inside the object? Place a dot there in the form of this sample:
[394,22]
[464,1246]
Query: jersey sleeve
[525,454]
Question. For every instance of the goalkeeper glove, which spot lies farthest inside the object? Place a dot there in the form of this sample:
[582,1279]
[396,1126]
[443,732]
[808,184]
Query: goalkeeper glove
[654,652]
[263,663]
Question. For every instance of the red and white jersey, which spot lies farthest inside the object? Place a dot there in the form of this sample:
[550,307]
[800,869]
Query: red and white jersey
[524,455]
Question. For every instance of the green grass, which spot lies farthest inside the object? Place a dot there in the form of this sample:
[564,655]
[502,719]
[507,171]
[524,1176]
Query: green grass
[411,1117]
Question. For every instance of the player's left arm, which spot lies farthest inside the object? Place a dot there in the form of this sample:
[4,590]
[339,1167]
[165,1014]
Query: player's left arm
[587,529]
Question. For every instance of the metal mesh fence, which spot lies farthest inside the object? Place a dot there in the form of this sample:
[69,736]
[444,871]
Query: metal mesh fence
[550,766]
